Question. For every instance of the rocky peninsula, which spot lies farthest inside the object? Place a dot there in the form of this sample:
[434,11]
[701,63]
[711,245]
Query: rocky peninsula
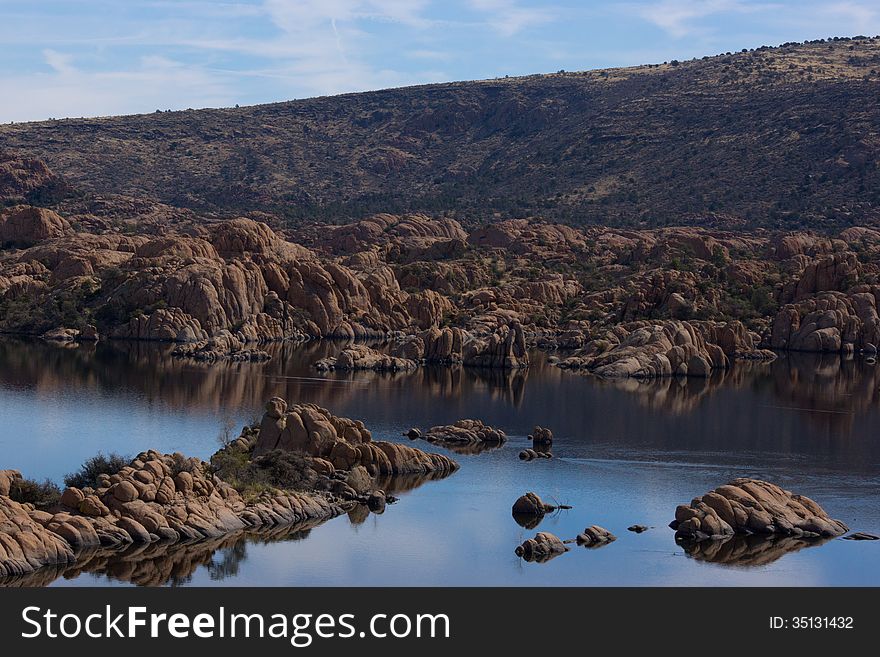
[300,465]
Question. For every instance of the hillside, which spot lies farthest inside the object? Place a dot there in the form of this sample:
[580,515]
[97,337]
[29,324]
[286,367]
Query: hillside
[781,137]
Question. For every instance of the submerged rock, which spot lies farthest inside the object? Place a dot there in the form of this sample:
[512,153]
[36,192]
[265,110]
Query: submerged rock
[529,510]
[861,536]
[465,433]
[531,504]
[752,506]
[543,547]
[637,529]
[532,454]
[362,357]
[595,536]
[541,437]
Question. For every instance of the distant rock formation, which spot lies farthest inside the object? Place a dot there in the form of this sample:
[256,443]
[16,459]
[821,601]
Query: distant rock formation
[672,348]
[362,357]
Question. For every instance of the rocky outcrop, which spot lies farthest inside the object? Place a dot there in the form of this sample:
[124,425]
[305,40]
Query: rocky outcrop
[362,357]
[542,548]
[20,176]
[541,437]
[164,324]
[24,225]
[595,536]
[345,443]
[156,497]
[503,349]
[836,272]
[25,544]
[671,348]
[752,506]
[465,433]
[829,322]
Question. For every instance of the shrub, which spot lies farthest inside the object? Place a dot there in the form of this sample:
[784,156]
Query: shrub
[87,475]
[40,494]
[277,469]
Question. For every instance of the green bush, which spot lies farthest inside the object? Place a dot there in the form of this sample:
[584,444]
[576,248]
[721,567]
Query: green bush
[41,494]
[87,475]
[277,469]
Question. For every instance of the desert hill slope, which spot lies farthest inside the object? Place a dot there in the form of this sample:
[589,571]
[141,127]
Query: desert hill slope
[782,137]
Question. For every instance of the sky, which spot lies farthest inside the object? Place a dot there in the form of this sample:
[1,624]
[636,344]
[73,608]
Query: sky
[72,58]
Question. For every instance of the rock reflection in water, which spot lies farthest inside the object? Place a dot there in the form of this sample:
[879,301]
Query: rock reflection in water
[828,389]
[173,564]
[747,551]
[149,369]
[158,564]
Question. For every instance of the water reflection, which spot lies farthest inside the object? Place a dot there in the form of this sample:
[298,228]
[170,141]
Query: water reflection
[825,387]
[624,450]
[157,564]
[748,551]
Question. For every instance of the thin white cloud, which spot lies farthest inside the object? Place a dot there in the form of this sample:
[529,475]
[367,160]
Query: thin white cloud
[682,18]
[67,91]
[508,17]
[58,61]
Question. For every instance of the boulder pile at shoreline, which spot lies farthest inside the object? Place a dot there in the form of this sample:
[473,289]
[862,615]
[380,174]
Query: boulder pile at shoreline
[334,465]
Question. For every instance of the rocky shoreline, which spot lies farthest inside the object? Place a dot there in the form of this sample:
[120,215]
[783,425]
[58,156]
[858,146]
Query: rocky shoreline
[646,303]
[301,465]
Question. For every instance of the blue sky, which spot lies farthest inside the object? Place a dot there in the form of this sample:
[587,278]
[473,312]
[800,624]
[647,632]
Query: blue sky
[70,58]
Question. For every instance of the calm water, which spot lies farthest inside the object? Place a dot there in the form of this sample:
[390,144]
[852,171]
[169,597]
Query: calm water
[626,453]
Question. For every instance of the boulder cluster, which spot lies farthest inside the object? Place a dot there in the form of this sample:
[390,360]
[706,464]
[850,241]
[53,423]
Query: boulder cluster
[465,433]
[170,498]
[672,348]
[543,547]
[157,497]
[752,506]
[344,443]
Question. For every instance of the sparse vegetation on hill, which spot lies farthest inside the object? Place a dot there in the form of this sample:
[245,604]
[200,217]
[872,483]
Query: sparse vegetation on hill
[777,137]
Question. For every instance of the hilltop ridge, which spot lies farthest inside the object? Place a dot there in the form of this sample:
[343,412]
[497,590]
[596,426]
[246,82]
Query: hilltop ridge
[777,137]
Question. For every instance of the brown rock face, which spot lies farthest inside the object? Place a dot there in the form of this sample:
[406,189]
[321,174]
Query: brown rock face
[345,443]
[839,271]
[166,324]
[503,349]
[752,506]
[831,322]
[21,175]
[25,225]
[25,545]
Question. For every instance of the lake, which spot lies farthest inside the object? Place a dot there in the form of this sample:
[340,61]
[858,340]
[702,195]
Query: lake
[624,453]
